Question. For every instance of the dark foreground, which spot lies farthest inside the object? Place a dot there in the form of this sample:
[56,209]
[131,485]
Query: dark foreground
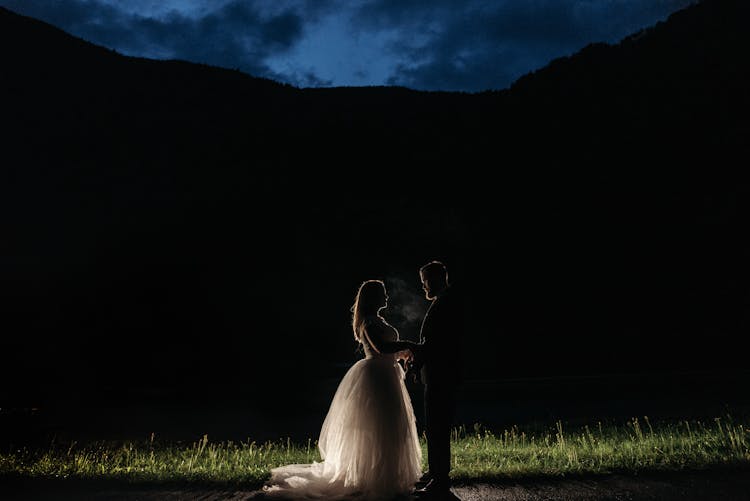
[725,484]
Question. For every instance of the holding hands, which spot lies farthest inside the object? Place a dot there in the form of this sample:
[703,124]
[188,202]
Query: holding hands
[405,356]
[412,362]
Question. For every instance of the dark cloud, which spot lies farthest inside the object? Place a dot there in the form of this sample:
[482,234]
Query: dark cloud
[471,45]
[236,35]
[305,79]
[489,44]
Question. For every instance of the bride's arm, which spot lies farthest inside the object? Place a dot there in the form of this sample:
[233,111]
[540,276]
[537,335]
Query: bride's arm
[396,346]
[389,346]
[400,345]
[375,337]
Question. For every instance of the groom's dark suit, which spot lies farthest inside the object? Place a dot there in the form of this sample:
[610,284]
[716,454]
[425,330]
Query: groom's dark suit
[441,354]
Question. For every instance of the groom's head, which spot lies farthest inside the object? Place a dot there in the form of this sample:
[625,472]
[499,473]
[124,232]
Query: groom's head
[434,278]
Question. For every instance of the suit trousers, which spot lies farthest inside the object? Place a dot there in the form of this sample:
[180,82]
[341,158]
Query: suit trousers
[439,407]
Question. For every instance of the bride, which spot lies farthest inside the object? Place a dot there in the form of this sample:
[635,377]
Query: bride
[368,443]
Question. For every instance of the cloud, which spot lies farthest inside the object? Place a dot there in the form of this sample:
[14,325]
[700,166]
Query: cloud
[489,44]
[235,34]
[304,78]
[468,45]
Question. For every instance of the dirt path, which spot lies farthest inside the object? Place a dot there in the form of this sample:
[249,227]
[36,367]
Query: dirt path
[714,485]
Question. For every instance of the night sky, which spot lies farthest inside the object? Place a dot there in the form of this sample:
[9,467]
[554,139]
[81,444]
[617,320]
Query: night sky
[471,45]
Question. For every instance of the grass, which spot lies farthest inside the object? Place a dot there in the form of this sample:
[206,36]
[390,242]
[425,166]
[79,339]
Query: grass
[637,445]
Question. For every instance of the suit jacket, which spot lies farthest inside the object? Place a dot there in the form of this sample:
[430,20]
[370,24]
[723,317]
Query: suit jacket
[441,337]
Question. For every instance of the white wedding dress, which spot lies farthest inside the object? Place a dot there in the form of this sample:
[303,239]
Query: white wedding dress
[368,443]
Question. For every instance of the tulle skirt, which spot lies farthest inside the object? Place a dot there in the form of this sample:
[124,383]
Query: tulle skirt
[368,442]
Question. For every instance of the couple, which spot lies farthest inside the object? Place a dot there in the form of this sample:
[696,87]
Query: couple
[369,442]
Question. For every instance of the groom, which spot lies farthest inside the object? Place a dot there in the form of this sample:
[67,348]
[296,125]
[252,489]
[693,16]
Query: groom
[439,356]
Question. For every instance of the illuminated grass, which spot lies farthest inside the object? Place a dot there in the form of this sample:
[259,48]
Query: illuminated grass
[634,446]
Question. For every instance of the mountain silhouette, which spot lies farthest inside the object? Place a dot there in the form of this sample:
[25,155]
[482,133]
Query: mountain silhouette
[656,90]
[171,212]
[676,89]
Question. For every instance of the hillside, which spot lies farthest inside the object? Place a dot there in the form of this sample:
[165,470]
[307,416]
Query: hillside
[656,89]
[675,90]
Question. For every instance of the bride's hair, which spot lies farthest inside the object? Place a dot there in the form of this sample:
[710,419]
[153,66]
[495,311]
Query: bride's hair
[370,298]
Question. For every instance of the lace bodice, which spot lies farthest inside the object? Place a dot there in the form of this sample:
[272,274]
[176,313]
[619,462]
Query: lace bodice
[378,330]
